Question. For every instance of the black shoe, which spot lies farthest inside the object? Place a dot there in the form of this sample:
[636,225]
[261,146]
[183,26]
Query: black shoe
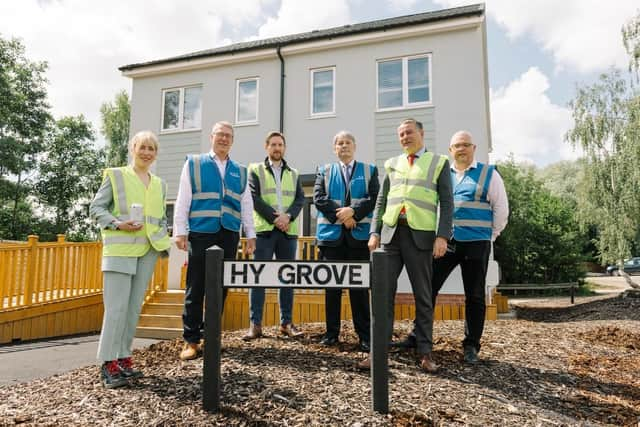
[471,355]
[408,342]
[329,341]
[126,369]
[111,375]
[365,347]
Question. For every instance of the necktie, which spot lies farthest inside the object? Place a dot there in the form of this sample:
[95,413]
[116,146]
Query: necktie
[411,158]
[347,173]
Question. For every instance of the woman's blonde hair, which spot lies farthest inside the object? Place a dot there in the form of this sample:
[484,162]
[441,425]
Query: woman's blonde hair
[144,136]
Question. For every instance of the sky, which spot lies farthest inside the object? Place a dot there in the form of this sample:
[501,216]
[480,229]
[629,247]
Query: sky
[539,51]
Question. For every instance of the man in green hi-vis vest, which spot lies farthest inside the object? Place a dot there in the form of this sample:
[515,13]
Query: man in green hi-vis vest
[412,232]
[277,200]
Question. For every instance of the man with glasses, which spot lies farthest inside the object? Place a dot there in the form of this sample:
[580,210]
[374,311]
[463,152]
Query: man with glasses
[213,201]
[480,215]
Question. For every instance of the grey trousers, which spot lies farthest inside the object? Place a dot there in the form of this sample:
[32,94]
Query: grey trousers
[123,295]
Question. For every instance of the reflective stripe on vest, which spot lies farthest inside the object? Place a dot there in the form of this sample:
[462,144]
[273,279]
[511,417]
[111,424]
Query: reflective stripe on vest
[128,189]
[335,189]
[268,193]
[215,201]
[415,188]
[473,216]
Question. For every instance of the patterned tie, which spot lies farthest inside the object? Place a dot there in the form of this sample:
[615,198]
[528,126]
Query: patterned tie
[347,173]
[411,158]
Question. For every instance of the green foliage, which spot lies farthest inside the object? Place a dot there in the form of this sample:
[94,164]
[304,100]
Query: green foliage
[631,40]
[115,128]
[69,174]
[542,242]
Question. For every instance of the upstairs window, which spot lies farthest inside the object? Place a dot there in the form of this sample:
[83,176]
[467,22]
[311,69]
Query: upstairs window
[323,94]
[181,108]
[247,100]
[404,82]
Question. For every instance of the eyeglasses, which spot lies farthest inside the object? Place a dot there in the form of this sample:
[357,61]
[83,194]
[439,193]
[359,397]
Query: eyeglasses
[223,135]
[462,145]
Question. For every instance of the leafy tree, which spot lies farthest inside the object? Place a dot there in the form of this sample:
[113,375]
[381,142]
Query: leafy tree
[541,244]
[115,128]
[69,175]
[24,118]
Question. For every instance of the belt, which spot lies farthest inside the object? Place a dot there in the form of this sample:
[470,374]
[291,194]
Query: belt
[403,222]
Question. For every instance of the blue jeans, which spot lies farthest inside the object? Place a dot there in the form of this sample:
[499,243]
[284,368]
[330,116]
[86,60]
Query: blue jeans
[284,248]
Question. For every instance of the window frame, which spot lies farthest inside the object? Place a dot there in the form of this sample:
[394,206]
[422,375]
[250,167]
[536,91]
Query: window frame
[181,90]
[405,83]
[312,72]
[257,118]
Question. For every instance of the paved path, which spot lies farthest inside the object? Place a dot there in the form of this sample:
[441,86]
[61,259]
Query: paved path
[40,359]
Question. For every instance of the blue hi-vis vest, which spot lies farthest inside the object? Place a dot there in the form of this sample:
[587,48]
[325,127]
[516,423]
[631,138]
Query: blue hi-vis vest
[334,186]
[472,217]
[215,200]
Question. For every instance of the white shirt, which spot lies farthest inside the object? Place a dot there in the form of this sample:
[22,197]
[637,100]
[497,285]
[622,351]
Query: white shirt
[496,196]
[345,167]
[183,202]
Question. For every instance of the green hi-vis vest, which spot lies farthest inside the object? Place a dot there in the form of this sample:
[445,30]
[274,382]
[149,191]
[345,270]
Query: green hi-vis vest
[289,181]
[128,189]
[413,187]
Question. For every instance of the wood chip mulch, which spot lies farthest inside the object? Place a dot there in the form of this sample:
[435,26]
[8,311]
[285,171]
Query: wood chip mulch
[563,367]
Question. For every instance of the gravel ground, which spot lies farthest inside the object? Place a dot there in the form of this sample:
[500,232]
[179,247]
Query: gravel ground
[555,366]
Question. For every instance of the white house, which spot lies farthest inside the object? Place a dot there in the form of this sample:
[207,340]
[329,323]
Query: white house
[363,77]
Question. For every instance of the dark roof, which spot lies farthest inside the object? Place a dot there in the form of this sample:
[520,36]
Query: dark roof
[345,30]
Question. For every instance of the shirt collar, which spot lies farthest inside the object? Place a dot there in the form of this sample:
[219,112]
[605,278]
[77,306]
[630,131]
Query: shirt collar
[420,152]
[350,164]
[214,156]
[473,165]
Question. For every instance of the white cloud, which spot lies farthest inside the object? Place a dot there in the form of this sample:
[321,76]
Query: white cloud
[401,5]
[84,42]
[525,122]
[296,16]
[581,35]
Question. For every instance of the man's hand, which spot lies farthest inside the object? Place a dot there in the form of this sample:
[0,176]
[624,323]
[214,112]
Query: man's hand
[250,247]
[181,242]
[374,242]
[282,221]
[344,213]
[129,225]
[439,247]
[349,223]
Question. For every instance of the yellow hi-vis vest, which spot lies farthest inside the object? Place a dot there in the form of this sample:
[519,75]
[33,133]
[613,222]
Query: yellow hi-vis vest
[129,189]
[288,182]
[415,188]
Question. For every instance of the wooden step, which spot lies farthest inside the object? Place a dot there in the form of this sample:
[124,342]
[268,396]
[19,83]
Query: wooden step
[158,333]
[163,308]
[160,321]
[174,296]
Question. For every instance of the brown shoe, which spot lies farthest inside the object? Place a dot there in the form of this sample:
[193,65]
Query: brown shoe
[190,351]
[290,330]
[427,364]
[255,331]
[364,364]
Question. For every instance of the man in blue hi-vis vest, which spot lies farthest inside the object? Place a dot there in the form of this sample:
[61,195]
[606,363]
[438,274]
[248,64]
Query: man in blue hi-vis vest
[480,215]
[344,194]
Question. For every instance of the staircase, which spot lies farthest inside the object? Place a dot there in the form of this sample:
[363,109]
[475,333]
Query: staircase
[161,318]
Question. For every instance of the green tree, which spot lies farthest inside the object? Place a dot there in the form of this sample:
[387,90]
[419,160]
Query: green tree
[24,119]
[69,175]
[115,128]
[541,244]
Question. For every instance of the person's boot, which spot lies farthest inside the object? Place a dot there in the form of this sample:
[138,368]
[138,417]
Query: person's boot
[254,332]
[471,355]
[126,369]
[190,351]
[112,375]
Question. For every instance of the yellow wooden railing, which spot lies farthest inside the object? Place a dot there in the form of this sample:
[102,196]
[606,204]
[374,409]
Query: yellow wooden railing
[36,272]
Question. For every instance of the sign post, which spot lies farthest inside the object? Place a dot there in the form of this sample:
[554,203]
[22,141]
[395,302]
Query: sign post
[301,275]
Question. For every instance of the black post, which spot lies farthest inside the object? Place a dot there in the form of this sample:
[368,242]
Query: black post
[212,328]
[380,324]
[573,293]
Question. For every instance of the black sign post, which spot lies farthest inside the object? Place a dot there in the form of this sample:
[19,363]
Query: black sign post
[292,274]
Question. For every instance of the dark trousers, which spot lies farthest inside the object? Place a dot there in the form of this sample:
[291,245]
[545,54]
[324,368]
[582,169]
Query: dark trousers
[473,259]
[359,298]
[192,316]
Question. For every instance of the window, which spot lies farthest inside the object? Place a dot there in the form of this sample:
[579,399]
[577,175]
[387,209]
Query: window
[181,108]
[247,101]
[323,93]
[404,82]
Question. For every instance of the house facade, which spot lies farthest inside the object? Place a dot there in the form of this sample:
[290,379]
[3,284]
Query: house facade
[364,78]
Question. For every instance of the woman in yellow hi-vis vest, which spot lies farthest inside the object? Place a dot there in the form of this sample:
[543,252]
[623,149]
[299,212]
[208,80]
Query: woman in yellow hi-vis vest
[129,207]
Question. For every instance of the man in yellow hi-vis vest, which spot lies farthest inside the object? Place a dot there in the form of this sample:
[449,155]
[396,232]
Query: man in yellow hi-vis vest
[277,200]
[412,233]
